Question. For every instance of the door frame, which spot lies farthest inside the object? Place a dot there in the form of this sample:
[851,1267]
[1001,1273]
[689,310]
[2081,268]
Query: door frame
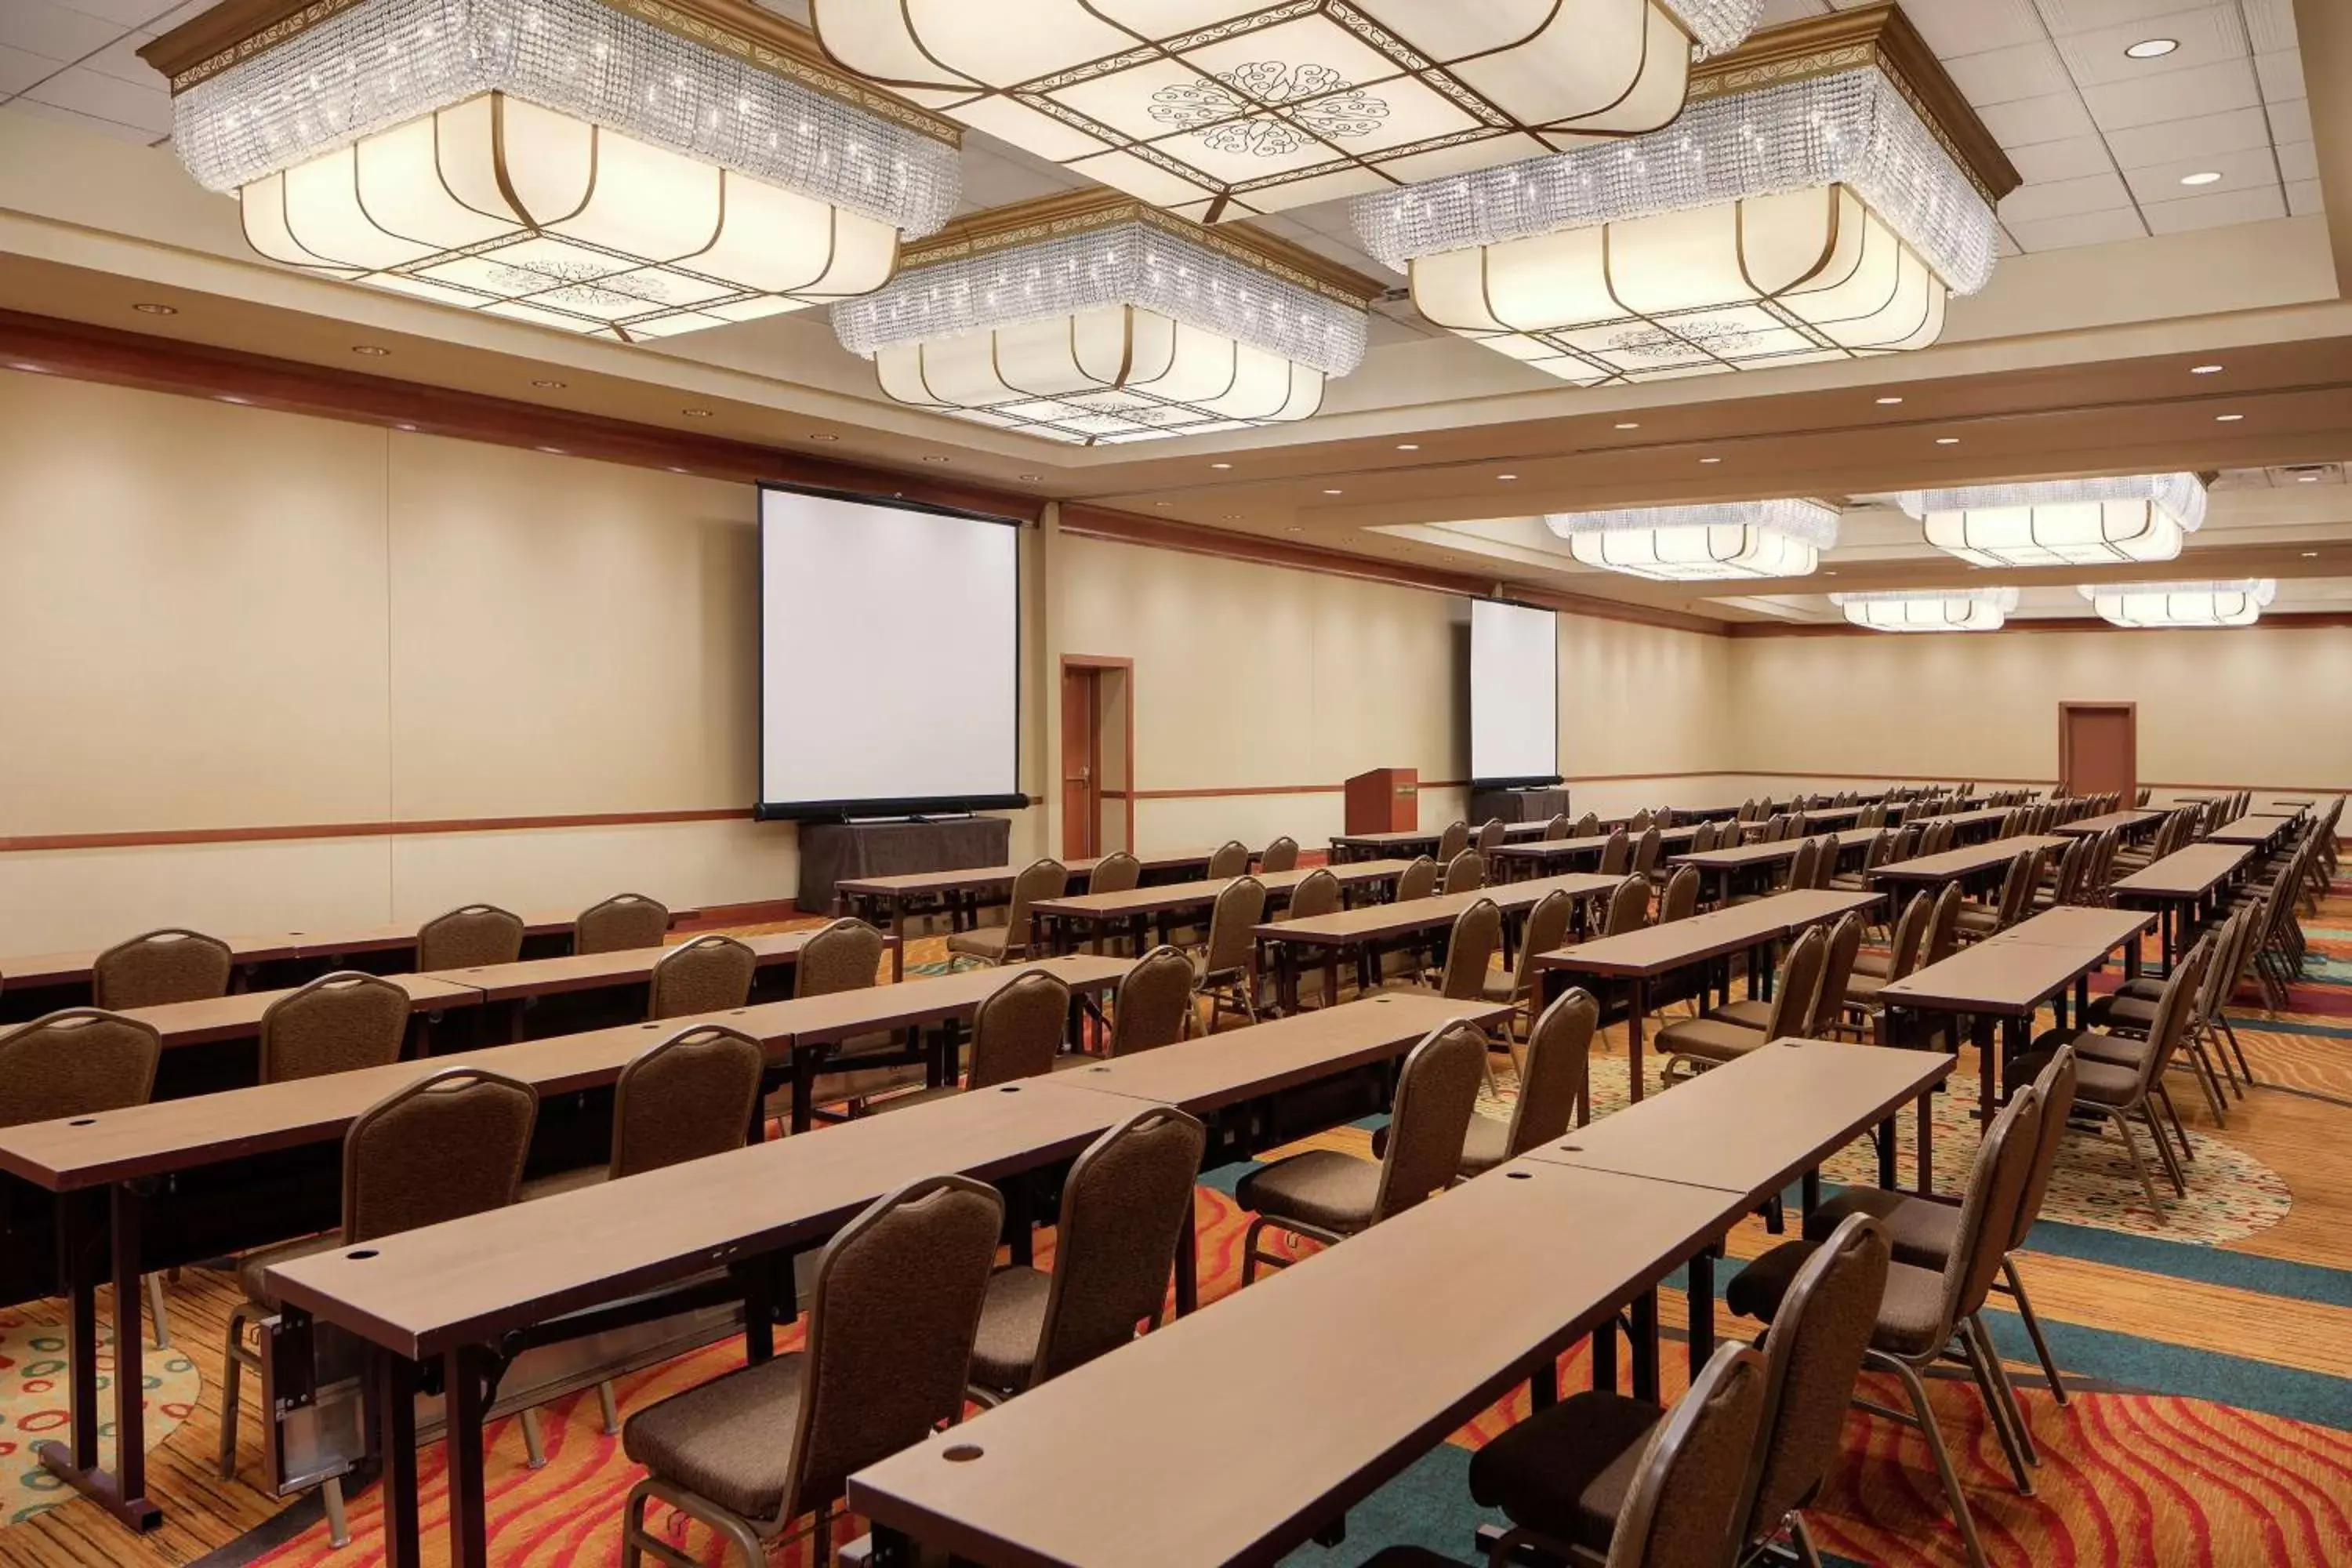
[2130,712]
[1126,667]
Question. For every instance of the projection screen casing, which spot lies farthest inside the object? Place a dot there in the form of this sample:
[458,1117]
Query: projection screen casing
[1513,695]
[890,657]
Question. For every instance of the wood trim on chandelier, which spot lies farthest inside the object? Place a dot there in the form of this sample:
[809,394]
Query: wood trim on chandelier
[150,364]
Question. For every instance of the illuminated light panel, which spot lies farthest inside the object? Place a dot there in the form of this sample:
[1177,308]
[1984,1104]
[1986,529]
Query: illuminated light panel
[1215,109]
[2066,522]
[1930,609]
[1702,543]
[2236,603]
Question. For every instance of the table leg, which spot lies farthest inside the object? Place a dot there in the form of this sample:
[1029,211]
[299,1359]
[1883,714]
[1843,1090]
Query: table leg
[395,1401]
[1637,999]
[122,1493]
[1927,1187]
[1886,1141]
[803,1088]
[2131,959]
[1700,1295]
[1980,1032]
[1809,1195]
[1645,1345]
[898,929]
[1017,1215]
[465,1384]
[1188,1259]
[1331,977]
[1604,1356]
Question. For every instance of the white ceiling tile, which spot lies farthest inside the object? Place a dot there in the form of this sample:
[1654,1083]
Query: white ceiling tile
[2291,119]
[2239,171]
[41,28]
[1957,28]
[2302,198]
[2206,36]
[2279,72]
[2030,120]
[20,70]
[2063,198]
[121,12]
[994,180]
[2003,75]
[2169,140]
[85,92]
[2067,160]
[2083,228]
[2216,212]
[2270,24]
[2205,90]
[187,11]
[89,122]
[120,60]
[2066,17]
[1778,13]
[2298,161]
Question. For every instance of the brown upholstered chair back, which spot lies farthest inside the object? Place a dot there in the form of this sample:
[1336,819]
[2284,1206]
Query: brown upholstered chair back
[621,922]
[1910,934]
[1477,937]
[338,1023]
[470,938]
[1232,923]
[1452,842]
[687,1097]
[1153,1005]
[1554,1070]
[1436,1093]
[1680,901]
[1805,864]
[1837,968]
[2176,1004]
[450,1144]
[1814,1351]
[1588,825]
[709,974]
[1997,1185]
[1646,850]
[1282,854]
[1943,927]
[1116,872]
[1490,835]
[1747,811]
[1799,982]
[159,967]
[1702,839]
[1617,855]
[75,1062]
[1555,829]
[1640,822]
[1044,877]
[1123,1209]
[2054,1087]
[1825,861]
[1467,872]
[892,1316]
[1017,1032]
[845,956]
[1231,859]
[1876,853]
[1418,880]
[1690,1488]
[2017,887]
[1546,932]
[1317,893]
[1629,906]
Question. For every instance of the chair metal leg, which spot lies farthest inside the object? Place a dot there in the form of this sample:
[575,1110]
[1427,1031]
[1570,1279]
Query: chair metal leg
[339,1524]
[1925,1414]
[2146,1108]
[2122,1123]
[2245,1067]
[2032,1327]
[534,1442]
[232,1384]
[2172,1113]
[155,1307]
[1807,1554]
[2013,1403]
[609,1404]
[1988,1390]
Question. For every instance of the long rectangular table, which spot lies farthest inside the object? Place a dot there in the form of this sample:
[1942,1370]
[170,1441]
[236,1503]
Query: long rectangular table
[1365,930]
[1727,864]
[1538,857]
[1928,873]
[1077,917]
[237,1016]
[1639,957]
[2131,823]
[2251,829]
[1407,842]
[2179,887]
[886,901]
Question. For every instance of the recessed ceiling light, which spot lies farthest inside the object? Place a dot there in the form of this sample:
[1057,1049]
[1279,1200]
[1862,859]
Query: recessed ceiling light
[157,310]
[696,413]
[369,350]
[2227,418]
[550,385]
[1947,440]
[1293,528]
[553,451]
[1629,425]
[1031,478]
[2204,370]
[1331,492]
[1408,445]
[1221,465]
[1710,459]
[2311,555]
[1888,402]
[1163,503]
[228,398]
[1506,477]
[2307,480]
[821,436]
[2203,177]
[2152,49]
[1233,517]
[410,428]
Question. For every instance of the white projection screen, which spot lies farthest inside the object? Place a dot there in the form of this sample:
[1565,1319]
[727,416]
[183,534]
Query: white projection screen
[1513,695]
[889,658]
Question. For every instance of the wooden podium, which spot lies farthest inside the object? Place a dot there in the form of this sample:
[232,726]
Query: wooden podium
[1386,800]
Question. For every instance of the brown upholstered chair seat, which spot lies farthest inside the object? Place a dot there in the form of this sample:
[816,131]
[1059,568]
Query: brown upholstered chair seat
[1012,1325]
[2141,988]
[1328,1189]
[2100,1082]
[1921,1231]
[249,1267]
[1909,1316]
[1877,965]
[1710,1038]
[2118,1011]
[1751,1013]
[1979,920]
[1565,1471]
[1863,989]
[1487,1144]
[982,941]
[730,1439]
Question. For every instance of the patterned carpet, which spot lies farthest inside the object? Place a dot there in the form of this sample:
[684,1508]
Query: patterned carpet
[34,1408]
[2210,1358]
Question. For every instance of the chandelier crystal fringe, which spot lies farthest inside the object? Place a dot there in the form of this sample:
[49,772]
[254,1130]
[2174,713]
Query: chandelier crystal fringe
[1930,609]
[1803,208]
[1094,319]
[1702,543]
[2238,601]
[624,168]
[1217,110]
[2065,523]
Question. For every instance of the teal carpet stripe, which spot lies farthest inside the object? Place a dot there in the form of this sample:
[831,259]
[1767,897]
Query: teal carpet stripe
[2187,1260]
[2289,1026]
[2151,1366]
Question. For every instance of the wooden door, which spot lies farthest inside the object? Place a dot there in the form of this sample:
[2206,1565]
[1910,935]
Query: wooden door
[1081,763]
[2098,749]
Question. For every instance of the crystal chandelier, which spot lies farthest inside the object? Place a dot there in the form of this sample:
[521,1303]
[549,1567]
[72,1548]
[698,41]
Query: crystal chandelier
[1092,318]
[1825,192]
[1930,609]
[1214,109]
[1703,543]
[627,169]
[2237,603]
[2068,522]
